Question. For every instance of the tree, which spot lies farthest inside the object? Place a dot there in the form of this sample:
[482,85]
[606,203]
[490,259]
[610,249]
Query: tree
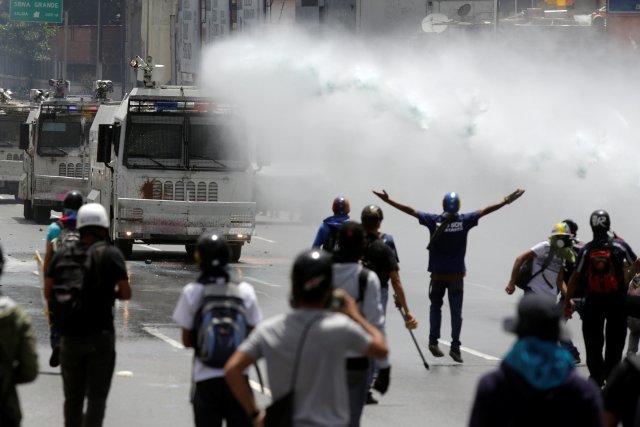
[25,38]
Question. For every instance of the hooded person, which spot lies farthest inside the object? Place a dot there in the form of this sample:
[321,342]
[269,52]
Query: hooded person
[327,234]
[536,383]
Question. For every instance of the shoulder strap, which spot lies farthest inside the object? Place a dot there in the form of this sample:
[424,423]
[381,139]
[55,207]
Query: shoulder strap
[363,279]
[303,338]
[440,229]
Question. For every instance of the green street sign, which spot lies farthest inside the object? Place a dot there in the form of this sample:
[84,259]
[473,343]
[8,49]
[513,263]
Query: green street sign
[36,11]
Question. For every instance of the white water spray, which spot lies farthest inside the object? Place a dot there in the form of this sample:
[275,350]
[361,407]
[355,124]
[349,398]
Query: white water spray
[478,118]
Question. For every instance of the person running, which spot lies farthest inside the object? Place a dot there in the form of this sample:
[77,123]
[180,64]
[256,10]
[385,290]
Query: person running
[305,348]
[600,268]
[327,234]
[55,233]
[447,249]
[212,399]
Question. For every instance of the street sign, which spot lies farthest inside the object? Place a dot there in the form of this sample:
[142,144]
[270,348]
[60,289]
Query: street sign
[36,11]
[624,6]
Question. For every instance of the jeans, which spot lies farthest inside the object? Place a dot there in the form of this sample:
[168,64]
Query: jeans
[604,326]
[436,296]
[358,387]
[213,401]
[87,365]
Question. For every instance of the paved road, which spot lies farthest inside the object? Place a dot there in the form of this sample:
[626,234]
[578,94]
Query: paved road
[151,385]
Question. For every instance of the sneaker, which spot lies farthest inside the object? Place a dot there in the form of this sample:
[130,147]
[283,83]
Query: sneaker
[435,350]
[54,360]
[381,383]
[455,355]
[370,399]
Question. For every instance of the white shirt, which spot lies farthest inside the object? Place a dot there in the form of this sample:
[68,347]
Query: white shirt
[185,312]
[545,282]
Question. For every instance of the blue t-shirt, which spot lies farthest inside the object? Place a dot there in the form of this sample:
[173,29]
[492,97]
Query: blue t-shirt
[447,252]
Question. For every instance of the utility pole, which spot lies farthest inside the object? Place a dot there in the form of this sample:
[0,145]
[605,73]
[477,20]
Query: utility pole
[98,31]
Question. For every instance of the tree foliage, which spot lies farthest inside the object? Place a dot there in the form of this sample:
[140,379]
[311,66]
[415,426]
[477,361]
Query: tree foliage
[22,38]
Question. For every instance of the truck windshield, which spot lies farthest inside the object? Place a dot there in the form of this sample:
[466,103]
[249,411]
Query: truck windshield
[214,145]
[9,133]
[57,136]
[154,142]
[183,142]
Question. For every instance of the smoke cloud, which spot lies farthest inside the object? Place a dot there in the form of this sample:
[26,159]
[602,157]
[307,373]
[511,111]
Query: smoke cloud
[420,117]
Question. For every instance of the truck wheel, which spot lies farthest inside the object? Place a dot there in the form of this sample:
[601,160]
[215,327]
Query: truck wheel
[41,214]
[27,210]
[235,252]
[125,246]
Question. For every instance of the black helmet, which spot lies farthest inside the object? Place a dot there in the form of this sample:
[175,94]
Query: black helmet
[600,221]
[351,241]
[212,252]
[73,200]
[372,211]
[572,226]
[311,276]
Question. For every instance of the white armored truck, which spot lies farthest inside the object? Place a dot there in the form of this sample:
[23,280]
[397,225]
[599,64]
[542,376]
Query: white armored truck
[55,141]
[168,164]
[12,115]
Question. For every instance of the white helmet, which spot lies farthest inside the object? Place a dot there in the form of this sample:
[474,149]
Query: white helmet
[92,214]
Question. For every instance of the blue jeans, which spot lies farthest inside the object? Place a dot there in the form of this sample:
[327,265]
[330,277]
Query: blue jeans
[436,296]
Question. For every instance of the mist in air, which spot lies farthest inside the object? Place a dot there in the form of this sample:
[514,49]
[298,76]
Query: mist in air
[419,117]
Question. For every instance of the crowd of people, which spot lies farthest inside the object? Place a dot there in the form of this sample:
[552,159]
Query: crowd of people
[328,354]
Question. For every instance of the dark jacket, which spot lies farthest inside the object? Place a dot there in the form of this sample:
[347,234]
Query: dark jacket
[533,390]
[19,359]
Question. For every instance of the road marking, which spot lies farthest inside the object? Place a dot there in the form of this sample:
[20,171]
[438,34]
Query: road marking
[262,282]
[149,247]
[263,239]
[474,352]
[175,344]
[478,285]
[154,331]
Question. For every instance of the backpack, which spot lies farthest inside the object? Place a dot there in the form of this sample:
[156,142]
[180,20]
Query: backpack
[220,324]
[73,263]
[524,276]
[601,272]
[331,242]
[67,234]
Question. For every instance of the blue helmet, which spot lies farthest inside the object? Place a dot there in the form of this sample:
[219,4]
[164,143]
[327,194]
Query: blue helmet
[340,206]
[451,202]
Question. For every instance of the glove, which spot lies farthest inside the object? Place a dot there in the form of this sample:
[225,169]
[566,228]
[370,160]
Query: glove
[513,196]
[382,381]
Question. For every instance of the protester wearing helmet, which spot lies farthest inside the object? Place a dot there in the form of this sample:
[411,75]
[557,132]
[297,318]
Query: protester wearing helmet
[381,256]
[55,234]
[326,236]
[600,266]
[305,348]
[548,260]
[87,344]
[447,249]
[212,399]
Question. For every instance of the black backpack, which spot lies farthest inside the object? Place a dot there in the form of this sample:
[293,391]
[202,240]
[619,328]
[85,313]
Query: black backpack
[73,262]
[220,324]
[331,242]
[67,234]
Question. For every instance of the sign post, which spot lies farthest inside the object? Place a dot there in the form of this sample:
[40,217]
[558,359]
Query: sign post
[36,11]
